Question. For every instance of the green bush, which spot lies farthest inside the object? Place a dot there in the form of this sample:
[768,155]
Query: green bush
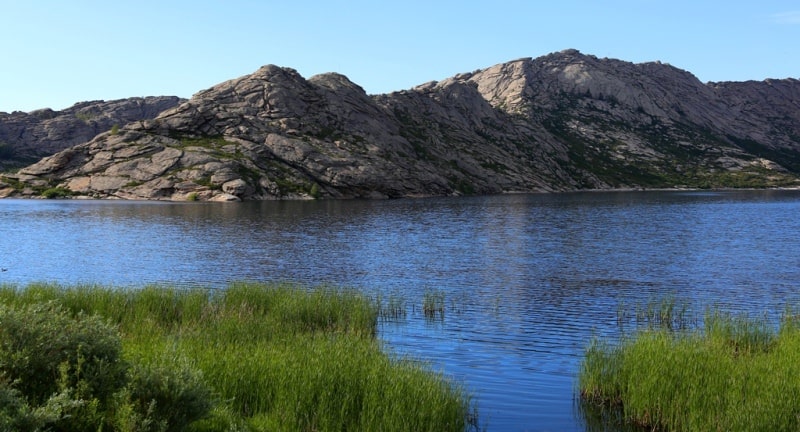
[56,192]
[64,371]
[61,370]
[158,388]
[15,414]
[41,343]
[315,192]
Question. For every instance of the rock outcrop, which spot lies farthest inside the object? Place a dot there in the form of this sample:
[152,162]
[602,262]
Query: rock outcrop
[27,137]
[565,121]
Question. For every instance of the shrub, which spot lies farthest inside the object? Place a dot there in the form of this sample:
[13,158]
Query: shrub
[41,346]
[15,414]
[315,192]
[64,371]
[56,192]
[170,392]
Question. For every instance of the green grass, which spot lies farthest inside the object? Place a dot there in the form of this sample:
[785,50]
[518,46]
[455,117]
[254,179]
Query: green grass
[733,373]
[276,357]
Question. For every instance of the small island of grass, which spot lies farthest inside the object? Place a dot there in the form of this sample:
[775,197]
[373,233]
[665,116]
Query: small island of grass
[733,373]
[249,357]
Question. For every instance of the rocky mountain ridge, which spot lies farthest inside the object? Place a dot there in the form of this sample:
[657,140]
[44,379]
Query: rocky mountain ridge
[27,137]
[564,121]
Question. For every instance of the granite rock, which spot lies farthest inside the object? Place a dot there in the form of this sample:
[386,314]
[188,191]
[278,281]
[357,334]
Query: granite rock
[565,121]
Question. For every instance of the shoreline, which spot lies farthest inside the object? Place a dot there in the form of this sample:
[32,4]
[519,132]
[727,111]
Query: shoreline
[9,194]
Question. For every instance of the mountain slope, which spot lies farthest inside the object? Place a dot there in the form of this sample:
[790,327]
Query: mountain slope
[564,121]
[27,137]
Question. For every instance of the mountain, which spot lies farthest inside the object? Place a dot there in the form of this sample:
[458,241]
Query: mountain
[27,137]
[564,121]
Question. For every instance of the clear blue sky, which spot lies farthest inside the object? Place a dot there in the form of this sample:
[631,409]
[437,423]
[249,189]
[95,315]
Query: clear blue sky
[57,53]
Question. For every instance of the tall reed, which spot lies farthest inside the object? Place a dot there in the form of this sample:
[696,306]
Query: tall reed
[734,373]
[433,305]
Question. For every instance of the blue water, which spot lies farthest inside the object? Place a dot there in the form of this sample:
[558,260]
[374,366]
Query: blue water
[528,280]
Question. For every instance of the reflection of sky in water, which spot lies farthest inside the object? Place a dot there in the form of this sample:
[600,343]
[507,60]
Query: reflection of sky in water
[528,279]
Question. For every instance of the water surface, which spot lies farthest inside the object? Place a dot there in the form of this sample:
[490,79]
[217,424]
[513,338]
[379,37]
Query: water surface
[528,280]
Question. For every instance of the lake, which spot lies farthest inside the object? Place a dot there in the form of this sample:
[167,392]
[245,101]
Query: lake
[527,280]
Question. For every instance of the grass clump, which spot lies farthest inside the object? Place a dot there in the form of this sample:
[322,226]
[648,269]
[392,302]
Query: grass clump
[250,357]
[392,308]
[734,373]
[662,313]
[433,305]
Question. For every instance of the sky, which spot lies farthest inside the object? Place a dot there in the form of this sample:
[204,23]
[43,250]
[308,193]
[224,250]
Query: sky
[57,53]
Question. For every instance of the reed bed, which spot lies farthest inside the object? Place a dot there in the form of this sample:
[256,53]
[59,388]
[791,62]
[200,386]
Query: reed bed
[392,308]
[277,357]
[663,313]
[731,373]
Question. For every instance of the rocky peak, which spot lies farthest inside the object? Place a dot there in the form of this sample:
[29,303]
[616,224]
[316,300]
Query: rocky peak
[640,94]
[507,86]
[529,86]
[335,82]
[271,100]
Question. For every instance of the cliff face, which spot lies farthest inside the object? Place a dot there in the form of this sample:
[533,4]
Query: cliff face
[564,121]
[27,137]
